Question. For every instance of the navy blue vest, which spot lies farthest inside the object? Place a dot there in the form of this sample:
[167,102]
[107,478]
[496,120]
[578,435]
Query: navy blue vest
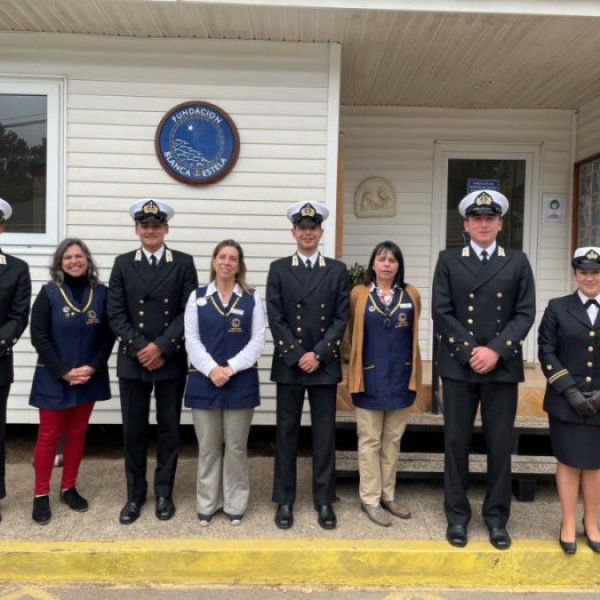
[387,354]
[224,332]
[75,335]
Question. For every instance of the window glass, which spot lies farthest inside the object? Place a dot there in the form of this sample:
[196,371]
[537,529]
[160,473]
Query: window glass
[509,178]
[23,160]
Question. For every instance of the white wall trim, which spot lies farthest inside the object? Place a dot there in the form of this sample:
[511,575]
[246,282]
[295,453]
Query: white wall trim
[571,198]
[333,128]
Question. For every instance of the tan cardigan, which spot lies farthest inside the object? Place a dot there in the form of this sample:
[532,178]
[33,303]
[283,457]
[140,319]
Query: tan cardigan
[355,332]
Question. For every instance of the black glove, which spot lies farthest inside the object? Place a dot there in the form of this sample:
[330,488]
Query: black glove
[579,403]
[594,399]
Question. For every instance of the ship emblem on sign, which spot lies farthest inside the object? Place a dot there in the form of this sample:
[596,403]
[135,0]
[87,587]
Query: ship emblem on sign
[197,143]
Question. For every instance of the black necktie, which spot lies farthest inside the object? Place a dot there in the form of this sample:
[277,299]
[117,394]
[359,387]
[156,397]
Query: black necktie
[308,265]
[484,257]
[591,302]
[152,262]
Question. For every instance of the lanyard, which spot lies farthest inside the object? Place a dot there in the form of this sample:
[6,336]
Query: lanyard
[388,311]
[220,311]
[72,306]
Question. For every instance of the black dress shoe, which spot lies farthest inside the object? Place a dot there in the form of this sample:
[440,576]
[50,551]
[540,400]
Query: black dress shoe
[41,513]
[567,547]
[74,500]
[326,518]
[457,535]
[165,508]
[499,538]
[284,517]
[594,545]
[130,513]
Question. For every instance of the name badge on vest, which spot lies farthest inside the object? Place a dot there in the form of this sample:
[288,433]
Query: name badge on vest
[236,326]
[237,311]
[402,320]
[92,318]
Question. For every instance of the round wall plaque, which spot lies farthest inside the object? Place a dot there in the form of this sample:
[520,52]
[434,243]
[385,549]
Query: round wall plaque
[197,143]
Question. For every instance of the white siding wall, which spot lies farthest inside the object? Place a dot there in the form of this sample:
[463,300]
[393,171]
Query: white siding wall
[118,90]
[398,143]
[588,130]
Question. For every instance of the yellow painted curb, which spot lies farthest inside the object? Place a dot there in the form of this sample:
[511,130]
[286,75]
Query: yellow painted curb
[527,565]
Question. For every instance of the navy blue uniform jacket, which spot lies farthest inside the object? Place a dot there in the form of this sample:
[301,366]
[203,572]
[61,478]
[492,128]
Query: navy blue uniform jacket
[476,305]
[15,296]
[307,312]
[147,306]
[569,353]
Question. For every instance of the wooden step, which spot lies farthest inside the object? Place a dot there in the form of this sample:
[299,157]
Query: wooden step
[423,463]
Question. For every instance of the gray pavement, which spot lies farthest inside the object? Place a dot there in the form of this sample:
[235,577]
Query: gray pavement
[358,555]
[101,481]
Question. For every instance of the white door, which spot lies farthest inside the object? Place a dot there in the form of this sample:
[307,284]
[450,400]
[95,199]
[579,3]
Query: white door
[512,169]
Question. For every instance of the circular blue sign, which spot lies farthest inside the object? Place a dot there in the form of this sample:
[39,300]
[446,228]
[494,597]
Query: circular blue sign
[197,143]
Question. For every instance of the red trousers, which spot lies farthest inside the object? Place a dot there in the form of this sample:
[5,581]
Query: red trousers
[70,422]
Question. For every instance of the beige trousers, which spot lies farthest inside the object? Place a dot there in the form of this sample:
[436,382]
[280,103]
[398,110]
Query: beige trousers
[379,435]
[223,475]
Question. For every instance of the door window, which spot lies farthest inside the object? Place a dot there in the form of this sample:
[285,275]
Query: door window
[505,176]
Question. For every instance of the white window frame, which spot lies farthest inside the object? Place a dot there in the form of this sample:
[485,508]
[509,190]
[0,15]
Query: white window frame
[531,154]
[54,92]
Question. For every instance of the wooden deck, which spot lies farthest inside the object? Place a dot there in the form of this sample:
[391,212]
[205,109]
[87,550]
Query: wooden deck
[531,393]
[422,453]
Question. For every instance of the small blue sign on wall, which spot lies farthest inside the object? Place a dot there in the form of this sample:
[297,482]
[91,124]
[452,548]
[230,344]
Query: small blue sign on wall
[197,143]
[474,184]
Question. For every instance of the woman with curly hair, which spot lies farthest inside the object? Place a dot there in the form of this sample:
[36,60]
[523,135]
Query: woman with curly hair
[70,332]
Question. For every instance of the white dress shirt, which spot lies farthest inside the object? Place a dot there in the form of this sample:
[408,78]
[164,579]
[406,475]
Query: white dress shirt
[313,258]
[592,310]
[478,249]
[199,357]
[159,253]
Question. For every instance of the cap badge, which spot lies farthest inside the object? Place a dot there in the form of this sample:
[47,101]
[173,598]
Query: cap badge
[484,199]
[308,211]
[592,255]
[150,208]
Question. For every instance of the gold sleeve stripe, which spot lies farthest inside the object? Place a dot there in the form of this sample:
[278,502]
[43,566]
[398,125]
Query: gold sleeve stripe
[558,375]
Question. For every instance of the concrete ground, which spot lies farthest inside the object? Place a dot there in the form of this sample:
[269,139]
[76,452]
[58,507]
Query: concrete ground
[93,548]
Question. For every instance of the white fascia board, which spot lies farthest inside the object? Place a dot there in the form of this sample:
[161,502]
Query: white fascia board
[333,132]
[575,8]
